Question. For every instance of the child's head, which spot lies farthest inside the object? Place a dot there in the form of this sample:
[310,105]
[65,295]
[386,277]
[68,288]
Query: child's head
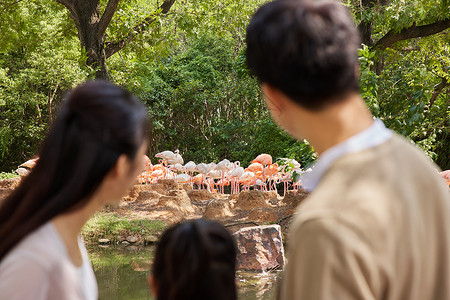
[195,260]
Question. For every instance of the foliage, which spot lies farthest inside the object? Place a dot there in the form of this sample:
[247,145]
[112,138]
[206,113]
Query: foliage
[5,175]
[204,103]
[407,85]
[189,68]
[38,61]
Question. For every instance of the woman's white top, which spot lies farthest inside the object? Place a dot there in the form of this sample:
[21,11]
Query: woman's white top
[39,268]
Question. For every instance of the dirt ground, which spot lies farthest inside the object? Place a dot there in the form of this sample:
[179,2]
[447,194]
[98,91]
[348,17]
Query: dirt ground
[173,202]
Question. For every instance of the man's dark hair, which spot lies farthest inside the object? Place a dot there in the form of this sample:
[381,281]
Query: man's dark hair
[306,49]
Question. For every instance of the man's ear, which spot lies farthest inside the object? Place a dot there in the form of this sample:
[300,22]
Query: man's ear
[274,98]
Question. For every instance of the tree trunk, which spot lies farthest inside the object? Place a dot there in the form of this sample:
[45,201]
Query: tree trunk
[91,41]
[91,30]
[86,15]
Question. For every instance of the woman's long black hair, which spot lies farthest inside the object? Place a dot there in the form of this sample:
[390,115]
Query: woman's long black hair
[97,123]
[195,260]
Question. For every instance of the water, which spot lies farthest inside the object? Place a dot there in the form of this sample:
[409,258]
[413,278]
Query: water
[122,274]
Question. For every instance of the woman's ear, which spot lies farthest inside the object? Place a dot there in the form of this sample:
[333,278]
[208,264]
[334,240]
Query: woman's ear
[152,284]
[121,166]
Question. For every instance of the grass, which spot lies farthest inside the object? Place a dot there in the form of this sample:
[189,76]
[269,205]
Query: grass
[7,175]
[112,227]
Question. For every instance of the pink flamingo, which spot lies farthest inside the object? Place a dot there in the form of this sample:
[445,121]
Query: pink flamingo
[235,174]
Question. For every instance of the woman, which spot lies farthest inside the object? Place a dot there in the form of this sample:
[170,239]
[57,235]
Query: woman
[91,157]
[195,260]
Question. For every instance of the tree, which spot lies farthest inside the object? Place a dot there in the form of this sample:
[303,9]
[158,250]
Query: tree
[405,64]
[91,26]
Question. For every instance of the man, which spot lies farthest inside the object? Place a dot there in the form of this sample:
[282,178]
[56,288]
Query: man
[377,222]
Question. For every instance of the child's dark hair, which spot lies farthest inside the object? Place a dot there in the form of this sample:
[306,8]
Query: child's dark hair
[195,260]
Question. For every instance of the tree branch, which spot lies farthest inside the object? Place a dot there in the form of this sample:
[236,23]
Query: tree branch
[68,5]
[110,9]
[435,94]
[411,32]
[113,47]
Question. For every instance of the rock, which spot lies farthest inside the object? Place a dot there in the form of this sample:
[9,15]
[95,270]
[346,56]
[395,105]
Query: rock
[104,241]
[124,243]
[131,239]
[251,199]
[266,215]
[260,248]
[218,209]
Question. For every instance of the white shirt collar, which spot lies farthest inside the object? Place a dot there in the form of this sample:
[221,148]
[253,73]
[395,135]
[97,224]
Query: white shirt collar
[373,136]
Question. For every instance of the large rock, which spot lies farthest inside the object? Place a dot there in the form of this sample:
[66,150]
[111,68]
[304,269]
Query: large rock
[251,199]
[260,248]
[218,209]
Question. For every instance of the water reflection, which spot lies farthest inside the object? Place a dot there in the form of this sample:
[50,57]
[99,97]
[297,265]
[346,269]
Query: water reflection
[122,274]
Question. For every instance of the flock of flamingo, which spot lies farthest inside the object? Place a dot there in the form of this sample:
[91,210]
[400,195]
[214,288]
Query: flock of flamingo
[261,174]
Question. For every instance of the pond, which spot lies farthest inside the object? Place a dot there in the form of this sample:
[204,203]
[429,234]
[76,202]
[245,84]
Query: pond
[122,274]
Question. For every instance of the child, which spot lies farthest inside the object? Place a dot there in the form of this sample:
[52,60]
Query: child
[195,260]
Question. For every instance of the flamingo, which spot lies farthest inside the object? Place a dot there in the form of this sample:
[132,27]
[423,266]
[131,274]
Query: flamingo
[223,166]
[165,156]
[203,169]
[214,174]
[198,179]
[176,159]
[247,179]
[190,168]
[272,169]
[259,184]
[265,160]
[446,176]
[177,167]
[235,175]
[182,178]
[148,163]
